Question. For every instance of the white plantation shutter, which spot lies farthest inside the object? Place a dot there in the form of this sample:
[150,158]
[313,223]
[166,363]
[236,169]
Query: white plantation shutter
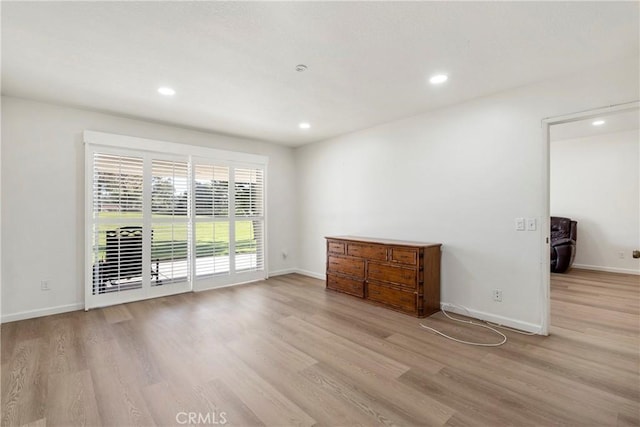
[116,241]
[212,191]
[211,220]
[249,219]
[170,220]
[117,185]
[161,220]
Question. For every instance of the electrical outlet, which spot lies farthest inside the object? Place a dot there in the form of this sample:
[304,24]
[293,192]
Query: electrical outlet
[497,295]
[519,224]
[621,255]
[44,285]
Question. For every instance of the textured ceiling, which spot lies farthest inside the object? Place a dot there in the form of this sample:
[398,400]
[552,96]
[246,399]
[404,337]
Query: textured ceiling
[233,63]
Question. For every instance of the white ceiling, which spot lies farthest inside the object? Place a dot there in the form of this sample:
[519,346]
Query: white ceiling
[232,63]
[618,122]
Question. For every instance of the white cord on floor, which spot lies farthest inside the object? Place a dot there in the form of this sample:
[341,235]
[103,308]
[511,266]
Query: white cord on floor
[504,337]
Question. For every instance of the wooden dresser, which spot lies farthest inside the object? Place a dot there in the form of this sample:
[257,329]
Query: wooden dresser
[402,276]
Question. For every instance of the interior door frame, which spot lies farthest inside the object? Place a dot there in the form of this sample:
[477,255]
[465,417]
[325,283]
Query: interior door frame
[545,263]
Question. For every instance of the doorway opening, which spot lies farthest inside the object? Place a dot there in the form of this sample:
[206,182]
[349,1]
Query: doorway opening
[576,154]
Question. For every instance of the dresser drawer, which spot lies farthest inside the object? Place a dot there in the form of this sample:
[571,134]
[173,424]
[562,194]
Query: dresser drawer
[336,248]
[346,285]
[390,296]
[367,251]
[399,275]
[393,273]
[350,266]
[404,256]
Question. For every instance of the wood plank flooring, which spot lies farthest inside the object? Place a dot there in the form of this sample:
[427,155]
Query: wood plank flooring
[286,352]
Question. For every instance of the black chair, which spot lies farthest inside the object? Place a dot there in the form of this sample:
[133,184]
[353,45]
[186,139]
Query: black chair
[564,233]
[122,261]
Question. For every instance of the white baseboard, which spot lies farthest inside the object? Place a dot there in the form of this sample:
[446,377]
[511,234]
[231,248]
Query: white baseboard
[308,273]
[29,314]
[282,272]
[494,318]
[607,269]
[227,285]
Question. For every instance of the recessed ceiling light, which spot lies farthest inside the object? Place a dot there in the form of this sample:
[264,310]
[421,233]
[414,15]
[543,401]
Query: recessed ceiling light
[598,123]
[438,79]
[304,125]
[166,91]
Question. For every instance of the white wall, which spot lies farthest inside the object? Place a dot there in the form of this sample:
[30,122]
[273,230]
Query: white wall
[43,199]
[459,176]
[1,211]
[596,181]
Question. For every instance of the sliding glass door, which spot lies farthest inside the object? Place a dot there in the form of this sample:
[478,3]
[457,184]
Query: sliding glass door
[116,239]
[159,224]
[211,231]
[228,224]
[170,222]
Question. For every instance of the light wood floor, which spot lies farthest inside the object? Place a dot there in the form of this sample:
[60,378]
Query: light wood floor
[286,352]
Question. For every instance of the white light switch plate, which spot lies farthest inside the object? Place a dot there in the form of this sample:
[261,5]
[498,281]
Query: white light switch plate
[531,224]
[519,224]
